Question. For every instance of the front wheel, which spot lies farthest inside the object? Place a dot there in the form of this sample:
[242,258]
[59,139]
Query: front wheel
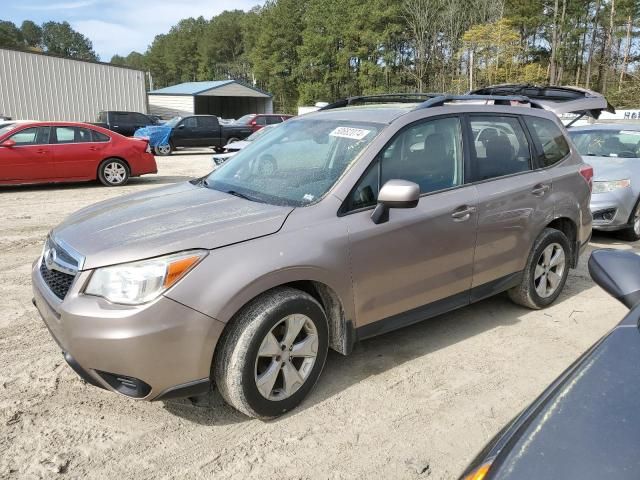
[546,271]
[113,172]
[271,355]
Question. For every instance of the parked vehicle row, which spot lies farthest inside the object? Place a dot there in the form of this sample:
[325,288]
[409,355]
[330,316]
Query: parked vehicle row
[45,152]
[465,200]
[192,131]
[125,123]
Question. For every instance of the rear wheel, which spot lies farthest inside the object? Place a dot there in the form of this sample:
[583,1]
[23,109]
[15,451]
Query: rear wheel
[163,150]
[232,139]
[632,232]
[546,271]
[113,172]
[273,352]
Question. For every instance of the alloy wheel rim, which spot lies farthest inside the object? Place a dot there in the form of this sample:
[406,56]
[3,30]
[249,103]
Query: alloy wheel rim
[115,173]
[286,357]
[549,270]
[164,149]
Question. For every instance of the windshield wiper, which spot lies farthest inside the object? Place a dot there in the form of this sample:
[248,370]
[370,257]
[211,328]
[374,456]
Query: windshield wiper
[240,195]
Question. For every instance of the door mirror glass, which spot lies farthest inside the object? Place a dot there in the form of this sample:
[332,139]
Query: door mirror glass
[618,273]
[8,143]
[395,194]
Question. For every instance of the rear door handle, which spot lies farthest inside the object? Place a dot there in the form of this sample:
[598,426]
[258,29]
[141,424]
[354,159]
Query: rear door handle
[540,189]
[93,148]
[463,213]
[40,151]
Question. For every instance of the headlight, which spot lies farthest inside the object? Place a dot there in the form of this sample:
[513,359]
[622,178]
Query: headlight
[604,187]
[140,282]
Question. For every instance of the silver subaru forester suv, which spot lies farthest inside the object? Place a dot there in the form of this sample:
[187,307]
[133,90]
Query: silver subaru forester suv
[339,225]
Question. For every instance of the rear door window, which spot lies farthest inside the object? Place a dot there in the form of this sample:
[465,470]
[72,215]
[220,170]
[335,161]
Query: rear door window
[273,120]
[550,142]
[499,147]
[262,121]
[72,135]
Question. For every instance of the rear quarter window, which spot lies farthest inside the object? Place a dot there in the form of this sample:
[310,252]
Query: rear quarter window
[549,140]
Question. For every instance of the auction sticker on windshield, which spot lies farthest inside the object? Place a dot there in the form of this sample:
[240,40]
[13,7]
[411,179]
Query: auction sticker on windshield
[348,132]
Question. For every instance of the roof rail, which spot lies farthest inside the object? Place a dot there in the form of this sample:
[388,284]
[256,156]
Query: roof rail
[497,100]
[382,98]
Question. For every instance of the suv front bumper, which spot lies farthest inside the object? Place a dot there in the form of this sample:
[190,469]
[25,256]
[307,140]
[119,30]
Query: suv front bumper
[158,350]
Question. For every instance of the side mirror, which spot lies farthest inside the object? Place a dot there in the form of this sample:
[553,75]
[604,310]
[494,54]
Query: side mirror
[8,143]
[395,194]
[618,273]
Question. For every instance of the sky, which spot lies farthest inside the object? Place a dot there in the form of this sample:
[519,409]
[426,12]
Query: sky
[117,26]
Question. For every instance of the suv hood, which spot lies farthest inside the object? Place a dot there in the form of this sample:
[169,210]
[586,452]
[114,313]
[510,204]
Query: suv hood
[165,220]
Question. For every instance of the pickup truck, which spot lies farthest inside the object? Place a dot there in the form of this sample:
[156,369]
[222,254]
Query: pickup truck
[124,123]
[192,131]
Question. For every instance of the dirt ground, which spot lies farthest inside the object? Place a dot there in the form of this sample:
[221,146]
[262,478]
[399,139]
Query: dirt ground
[416,403]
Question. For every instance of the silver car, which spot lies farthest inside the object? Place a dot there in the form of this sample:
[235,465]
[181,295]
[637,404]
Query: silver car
[614,152]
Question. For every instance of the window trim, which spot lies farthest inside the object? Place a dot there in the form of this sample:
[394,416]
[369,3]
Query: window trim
[518,117]
[37,127]
[342,212]
[539,154]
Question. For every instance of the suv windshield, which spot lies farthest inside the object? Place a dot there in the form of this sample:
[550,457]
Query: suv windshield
[296,164]
[608,143]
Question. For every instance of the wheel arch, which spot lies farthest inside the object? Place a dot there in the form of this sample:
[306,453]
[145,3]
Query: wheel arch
[113,157]
[341,329]
[570,230]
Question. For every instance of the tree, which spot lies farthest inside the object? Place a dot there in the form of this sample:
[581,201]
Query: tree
[61,39]
[31,34]
[10,36]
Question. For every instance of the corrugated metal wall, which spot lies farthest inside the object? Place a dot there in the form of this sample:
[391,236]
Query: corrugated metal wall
[168,106]
[41,87]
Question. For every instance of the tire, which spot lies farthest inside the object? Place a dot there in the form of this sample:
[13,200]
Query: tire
[238,365]
[632,232]
[232,139]
[113,172]
[531,292]
[163,150]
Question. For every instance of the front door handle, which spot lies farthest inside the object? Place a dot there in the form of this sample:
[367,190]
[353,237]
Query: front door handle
[540,189]
[463,213]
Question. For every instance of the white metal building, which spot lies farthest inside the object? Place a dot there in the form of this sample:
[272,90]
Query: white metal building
[224,98]
[38,86]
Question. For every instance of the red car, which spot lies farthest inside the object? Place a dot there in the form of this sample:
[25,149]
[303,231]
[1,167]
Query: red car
[43,152]
[258,120]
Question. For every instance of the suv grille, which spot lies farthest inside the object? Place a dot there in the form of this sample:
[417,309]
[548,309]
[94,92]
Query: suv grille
[58,282]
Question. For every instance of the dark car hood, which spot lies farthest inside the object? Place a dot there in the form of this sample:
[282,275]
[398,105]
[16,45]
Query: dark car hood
[589,426]
[166,220]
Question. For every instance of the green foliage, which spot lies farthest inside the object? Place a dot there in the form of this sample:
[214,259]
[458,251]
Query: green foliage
[31,34]
[10,35]
[60,39]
